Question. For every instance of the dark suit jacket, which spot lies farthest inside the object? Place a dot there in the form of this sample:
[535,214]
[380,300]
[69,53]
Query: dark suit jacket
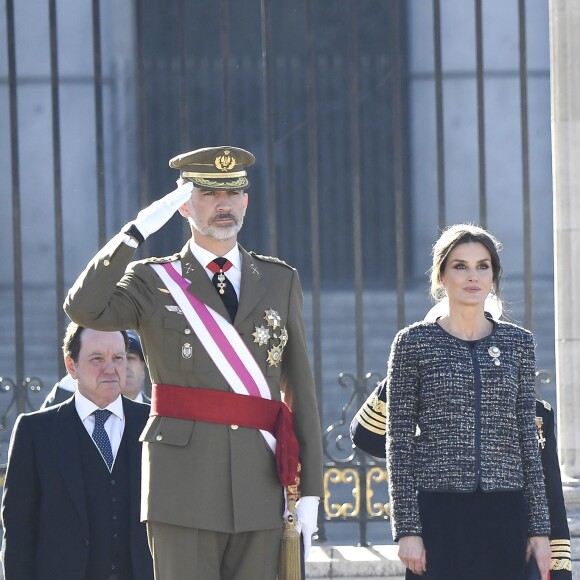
[44,512]
[57,395]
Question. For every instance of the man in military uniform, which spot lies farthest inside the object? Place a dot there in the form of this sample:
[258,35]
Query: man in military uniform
[217,324]
[561,565]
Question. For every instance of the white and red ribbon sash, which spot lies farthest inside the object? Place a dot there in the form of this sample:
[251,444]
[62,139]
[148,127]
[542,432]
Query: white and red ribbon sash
[221,340]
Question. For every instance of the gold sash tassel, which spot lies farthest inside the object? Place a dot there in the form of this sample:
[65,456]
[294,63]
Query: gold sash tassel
[289,564]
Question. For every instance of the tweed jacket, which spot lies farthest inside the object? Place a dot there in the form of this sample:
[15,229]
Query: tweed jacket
[457,420]
[196,474]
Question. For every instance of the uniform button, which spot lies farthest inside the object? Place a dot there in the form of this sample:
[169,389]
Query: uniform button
[187,331]
[113,482]
[234,427]
[113,499]
[114,516]
[115,536]
[106,262]
[159,438]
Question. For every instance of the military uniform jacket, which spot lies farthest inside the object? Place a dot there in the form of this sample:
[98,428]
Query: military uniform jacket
[196,474]
[561,565]
[457,421]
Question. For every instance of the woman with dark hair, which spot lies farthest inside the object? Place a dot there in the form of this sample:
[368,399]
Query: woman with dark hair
[465,479]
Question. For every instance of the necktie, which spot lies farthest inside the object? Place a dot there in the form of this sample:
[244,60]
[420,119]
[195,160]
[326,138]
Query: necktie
[223,285]
[100,436]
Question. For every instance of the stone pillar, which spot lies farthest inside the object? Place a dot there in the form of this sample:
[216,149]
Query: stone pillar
[565,95]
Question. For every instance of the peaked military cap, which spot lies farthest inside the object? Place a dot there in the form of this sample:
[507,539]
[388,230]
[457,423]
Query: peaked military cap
[135,343]
[221,167]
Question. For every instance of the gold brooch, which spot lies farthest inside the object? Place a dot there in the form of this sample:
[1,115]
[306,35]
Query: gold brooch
[494,353]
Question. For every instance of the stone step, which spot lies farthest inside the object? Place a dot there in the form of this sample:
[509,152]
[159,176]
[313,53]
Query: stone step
[379,561]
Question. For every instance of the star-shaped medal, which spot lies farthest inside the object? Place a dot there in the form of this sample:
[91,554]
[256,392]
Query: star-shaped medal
[272,318]
[274,356]
[261,335]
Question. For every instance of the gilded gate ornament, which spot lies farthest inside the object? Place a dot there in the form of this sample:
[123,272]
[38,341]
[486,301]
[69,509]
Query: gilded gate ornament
[376,475]
[341,476]
[336,478]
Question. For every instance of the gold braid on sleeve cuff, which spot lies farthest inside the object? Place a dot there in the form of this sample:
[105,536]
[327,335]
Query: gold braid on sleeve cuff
[561,557]
[372,415]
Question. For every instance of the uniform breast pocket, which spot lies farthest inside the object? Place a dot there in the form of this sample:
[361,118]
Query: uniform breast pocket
[182,346]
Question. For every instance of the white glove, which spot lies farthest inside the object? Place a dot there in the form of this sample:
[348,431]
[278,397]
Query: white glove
[307,516]
[150,219]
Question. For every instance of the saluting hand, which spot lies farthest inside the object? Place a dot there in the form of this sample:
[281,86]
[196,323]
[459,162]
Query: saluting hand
[412,554]
[150,219]
[539,548]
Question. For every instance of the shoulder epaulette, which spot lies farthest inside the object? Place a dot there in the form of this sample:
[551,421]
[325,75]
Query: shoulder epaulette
[164,260]
[547,405]
[272,259]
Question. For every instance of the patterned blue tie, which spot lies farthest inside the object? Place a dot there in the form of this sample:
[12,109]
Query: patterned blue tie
[100,436]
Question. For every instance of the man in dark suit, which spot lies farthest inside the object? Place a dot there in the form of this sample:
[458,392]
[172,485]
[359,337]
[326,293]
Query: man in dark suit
[223,334]
[70,507]
[133,389]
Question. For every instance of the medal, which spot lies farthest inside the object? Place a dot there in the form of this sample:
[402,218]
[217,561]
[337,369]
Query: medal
[539,427]
[261,335]
[268,335]
[221,283]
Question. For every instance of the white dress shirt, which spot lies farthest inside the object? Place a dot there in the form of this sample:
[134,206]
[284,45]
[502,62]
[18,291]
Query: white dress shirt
[234,274]
[114,425]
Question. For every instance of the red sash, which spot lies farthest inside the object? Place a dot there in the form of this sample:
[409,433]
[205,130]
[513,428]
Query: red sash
[229,408]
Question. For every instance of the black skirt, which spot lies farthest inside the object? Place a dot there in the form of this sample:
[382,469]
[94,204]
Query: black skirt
[473,536]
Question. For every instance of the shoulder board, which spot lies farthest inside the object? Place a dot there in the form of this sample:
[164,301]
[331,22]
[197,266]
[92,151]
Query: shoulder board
[546,405]
[163,260]
[272,259]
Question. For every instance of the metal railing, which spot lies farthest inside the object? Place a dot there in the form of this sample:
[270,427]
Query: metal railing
[323,93]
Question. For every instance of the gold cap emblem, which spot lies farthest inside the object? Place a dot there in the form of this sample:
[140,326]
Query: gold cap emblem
[225,161]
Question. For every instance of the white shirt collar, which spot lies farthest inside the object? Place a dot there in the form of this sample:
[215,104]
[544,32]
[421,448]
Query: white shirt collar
[204,257]
[68,383]
[85,407]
